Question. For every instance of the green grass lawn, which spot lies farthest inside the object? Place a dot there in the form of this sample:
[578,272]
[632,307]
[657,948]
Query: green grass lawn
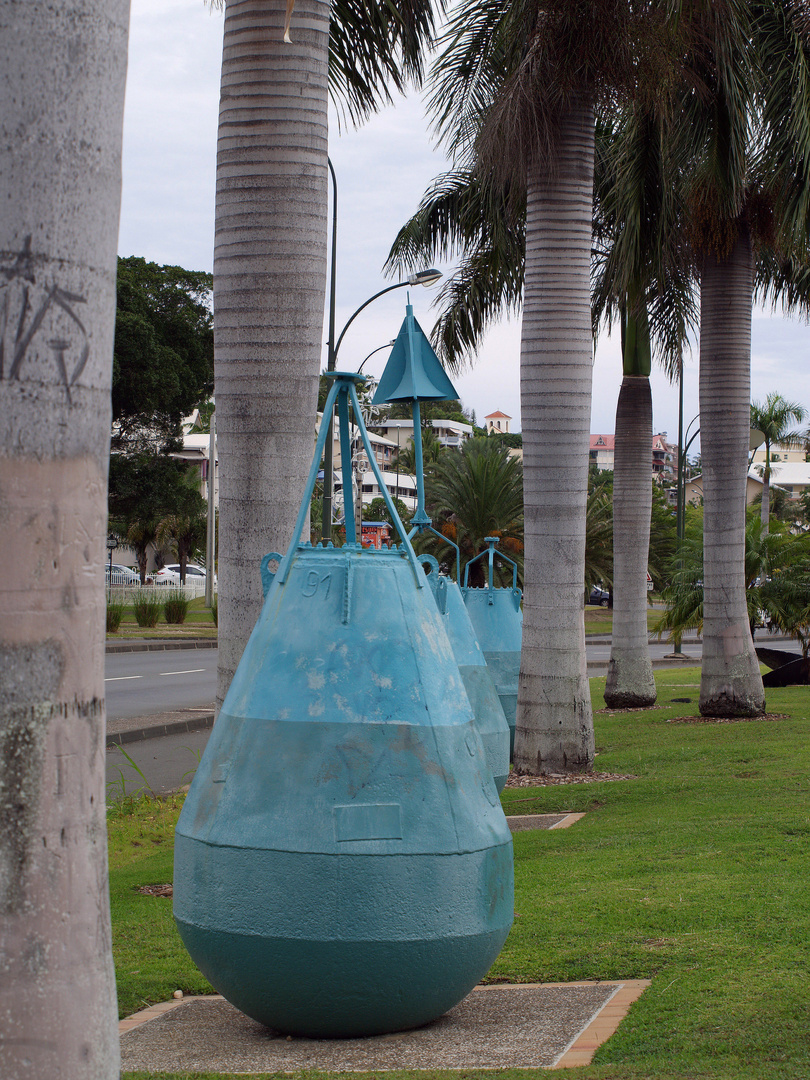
[694,875]
[599,620]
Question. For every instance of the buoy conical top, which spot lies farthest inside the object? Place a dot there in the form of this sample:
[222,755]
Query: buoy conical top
[413,371]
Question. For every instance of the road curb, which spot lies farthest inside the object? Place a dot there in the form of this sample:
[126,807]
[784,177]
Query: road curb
[160,646]
[156,731]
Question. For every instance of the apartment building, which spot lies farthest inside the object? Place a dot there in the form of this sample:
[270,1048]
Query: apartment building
[664,456]
[450,433]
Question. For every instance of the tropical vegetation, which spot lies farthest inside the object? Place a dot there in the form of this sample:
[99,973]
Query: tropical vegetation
[155,500]
[777,576]
[514,101]
[432,451]
[599,531]
[473,493]
[163,362]
[773,418]
[713,175]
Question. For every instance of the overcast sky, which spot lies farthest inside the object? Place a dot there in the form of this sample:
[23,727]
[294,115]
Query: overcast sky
[167,216]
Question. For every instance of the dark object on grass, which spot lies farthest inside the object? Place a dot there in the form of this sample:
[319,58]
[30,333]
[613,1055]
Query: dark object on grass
[795,673]
[776,658]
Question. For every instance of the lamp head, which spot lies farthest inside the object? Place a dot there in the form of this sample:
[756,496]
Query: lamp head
[424,277]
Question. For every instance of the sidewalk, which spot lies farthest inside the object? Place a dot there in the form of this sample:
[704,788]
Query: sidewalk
[536,1025]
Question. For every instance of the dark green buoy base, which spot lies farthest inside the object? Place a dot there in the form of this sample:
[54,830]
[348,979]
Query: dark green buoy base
[344,989]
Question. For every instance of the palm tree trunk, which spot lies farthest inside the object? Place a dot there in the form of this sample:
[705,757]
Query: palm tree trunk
[61,113]
[269,287]
[765,507]
[630,682]
[554,718]
[731,684]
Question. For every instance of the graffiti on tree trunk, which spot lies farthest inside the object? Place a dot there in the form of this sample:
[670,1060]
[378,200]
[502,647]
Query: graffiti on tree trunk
[35,314]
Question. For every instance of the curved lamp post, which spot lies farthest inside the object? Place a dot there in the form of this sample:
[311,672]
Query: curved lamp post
[423,277]
[387,345]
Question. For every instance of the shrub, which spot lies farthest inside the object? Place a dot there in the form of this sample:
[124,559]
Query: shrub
[175,608]
[115,612]
[146,607]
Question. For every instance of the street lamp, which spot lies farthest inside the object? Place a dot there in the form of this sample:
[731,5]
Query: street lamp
[112,544]
[422,277]
[387,345]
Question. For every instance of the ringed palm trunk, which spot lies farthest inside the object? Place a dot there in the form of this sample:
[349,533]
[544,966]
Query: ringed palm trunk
[269,286]
[554,732]
[731,684]
[61,110]
[630,682]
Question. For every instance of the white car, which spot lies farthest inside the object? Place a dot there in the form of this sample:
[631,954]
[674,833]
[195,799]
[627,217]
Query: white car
[121,575]
[170,575]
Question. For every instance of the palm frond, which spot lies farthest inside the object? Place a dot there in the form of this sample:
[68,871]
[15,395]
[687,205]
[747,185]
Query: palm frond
[783,280]
[641,256]
[466,214]
[487,285]
[376,45]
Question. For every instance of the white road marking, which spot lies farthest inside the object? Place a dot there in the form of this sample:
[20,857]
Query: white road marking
[190,671]
[124,678]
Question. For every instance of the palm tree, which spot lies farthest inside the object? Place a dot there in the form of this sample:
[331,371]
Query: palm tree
[185,533]
[141,534]
[61,110]
[746,129]
[270,257]
[773,419]
[474,493]
[515,97]
[643,277]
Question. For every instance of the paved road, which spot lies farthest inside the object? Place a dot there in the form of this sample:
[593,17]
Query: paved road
[143,683]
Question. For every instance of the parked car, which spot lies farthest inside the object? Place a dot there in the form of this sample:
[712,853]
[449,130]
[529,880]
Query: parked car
[121,575]
[600,597]
[170,575]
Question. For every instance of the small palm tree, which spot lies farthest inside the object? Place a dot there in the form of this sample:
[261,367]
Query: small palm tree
[773,419]
[185,533]
[598,539]
[473,493]
[140,534]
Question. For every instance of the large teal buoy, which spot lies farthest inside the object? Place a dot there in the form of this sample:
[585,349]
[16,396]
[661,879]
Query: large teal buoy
[342,863]
[497,618]
[413,373]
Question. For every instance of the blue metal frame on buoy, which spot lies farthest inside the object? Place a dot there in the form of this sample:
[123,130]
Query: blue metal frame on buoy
[343,391]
